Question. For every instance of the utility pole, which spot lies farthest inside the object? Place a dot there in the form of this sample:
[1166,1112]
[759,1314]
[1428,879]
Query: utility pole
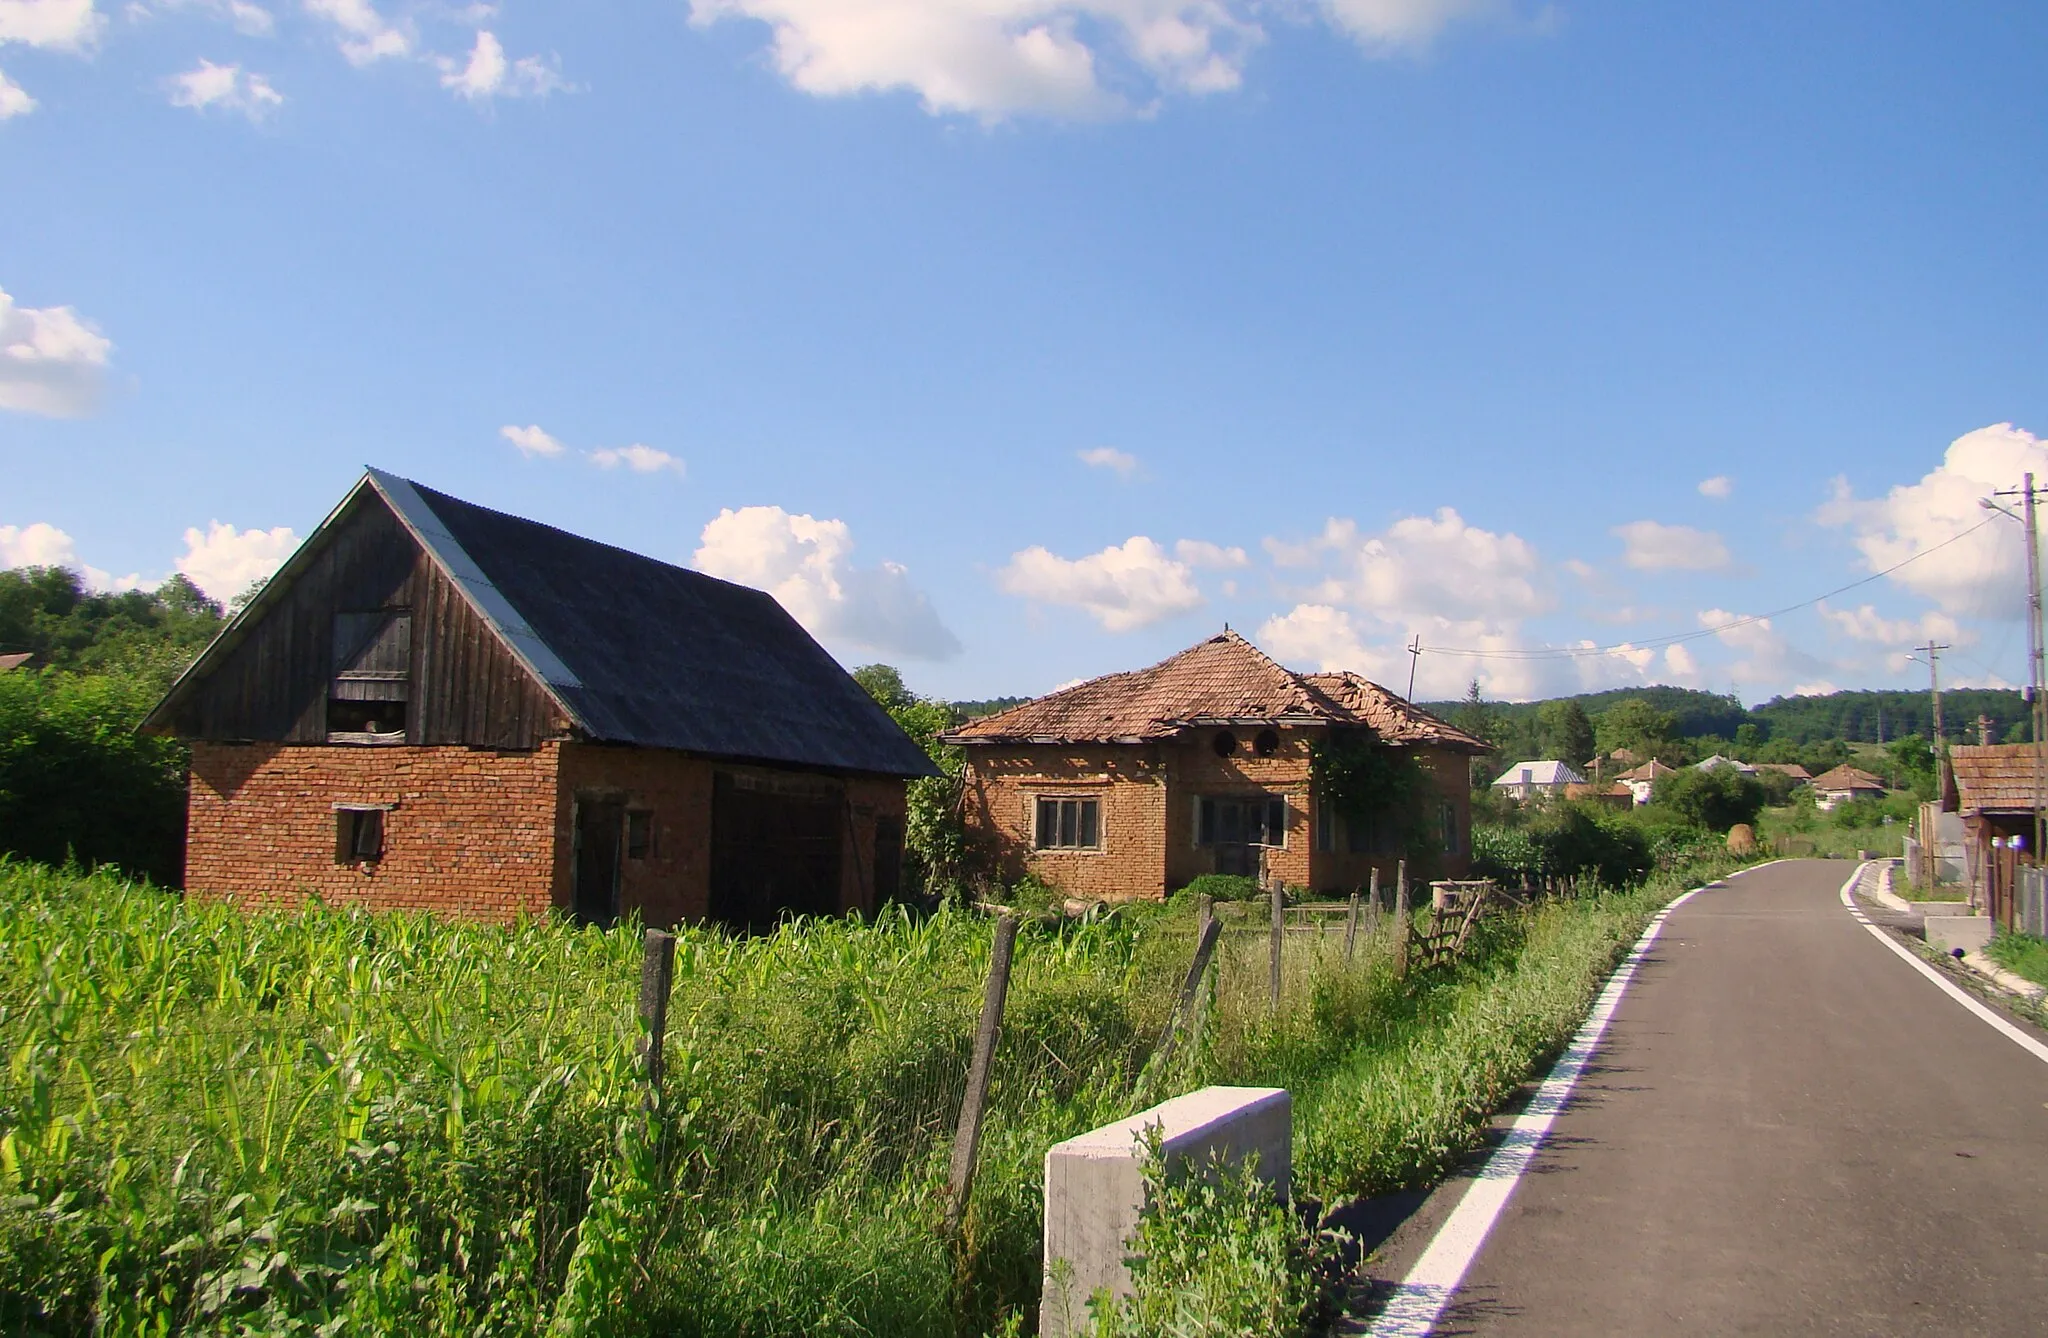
[1933,653]
[1415,657]
[2037,655]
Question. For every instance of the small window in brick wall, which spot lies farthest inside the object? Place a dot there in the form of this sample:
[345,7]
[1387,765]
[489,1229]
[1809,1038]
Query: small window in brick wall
[358,835]
[1069,824]
[639,833]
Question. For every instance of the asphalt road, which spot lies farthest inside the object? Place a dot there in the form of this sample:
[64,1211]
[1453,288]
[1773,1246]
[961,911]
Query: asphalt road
[1787,1130]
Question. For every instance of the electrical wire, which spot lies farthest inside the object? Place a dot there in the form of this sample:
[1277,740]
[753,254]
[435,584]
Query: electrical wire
[1653,643]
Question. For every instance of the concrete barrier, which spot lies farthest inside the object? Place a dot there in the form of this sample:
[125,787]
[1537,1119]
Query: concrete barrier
[1095,1189]
[1969,932]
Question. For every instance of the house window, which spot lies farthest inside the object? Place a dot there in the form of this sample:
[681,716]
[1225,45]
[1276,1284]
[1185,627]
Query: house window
[1267,743]
[1256,820]
[639,833]
[1454,839]
[1069,824]
[368,699]
[358,835]
[1225,743]
[1326,827]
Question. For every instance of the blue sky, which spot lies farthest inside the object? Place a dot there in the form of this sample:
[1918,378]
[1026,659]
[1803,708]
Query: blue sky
[1014,341]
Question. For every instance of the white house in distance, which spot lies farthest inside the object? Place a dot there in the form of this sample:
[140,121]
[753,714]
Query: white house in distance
[1717,762]
[1843,785]
[1527,780]
[1642,780]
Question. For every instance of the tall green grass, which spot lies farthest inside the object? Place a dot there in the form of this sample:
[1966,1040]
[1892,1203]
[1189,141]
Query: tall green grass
[214,1122]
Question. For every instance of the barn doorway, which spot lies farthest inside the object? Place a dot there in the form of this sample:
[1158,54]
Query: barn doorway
[775,850]
[600,832]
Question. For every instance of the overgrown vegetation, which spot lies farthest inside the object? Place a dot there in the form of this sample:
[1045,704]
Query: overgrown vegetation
[2022,954]
[214,1122]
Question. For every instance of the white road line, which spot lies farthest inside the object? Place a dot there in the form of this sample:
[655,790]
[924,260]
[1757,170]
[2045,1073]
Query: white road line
[1419,1301]
[1957,992]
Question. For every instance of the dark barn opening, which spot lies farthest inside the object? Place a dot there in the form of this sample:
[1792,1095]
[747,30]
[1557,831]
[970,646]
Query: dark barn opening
[600,825]
[774,851]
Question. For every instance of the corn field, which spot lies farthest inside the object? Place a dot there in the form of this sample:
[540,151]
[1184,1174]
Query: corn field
[337,1122]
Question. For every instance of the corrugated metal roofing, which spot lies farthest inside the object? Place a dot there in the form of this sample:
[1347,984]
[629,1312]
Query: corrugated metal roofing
[643,652]
[1541,773]
[1225,679]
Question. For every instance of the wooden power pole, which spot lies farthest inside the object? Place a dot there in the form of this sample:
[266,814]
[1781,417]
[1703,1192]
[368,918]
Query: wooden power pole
[2037,655]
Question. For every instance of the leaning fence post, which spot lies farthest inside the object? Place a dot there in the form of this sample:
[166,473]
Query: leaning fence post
[657,973]
[1190,989]
[1279,934]
[1351,930]
[967,1138]
[1403,922]
[1372,926]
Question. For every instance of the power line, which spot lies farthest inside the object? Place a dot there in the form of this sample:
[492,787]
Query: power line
[1655,642]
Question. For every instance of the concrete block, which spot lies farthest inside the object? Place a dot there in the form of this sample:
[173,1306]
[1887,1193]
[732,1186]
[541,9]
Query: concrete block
[1968,932]
[1095,1191]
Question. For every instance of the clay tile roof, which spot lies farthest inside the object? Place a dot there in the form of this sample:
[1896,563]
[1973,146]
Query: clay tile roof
[1997,778]
[1792,769]
[1846,777]
[1225,679]
[1648,771]
[15,661]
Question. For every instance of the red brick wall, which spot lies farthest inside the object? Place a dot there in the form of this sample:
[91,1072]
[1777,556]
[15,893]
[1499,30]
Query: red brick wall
[1196,770]
[470,831]
[1340,872]
[673,883]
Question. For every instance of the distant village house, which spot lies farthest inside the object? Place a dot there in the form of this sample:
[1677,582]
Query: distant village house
[1133,784]
[1845,784]
[1525,781]
[434,706]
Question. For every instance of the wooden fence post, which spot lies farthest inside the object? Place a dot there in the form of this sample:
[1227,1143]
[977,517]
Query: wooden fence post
[1190,990]
[967,1138]
[1404,923]
[657,973]
[1372,926]
[1472,914]
[1279,935]
[1351,931]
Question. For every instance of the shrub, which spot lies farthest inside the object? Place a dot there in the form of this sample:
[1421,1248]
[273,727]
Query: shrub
[1224,887]
[1715,800]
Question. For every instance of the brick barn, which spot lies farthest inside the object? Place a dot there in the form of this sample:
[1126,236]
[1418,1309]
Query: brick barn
[440,707]
[1133,784]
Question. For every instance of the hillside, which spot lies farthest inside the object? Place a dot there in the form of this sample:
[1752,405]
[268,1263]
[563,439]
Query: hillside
[1852,716]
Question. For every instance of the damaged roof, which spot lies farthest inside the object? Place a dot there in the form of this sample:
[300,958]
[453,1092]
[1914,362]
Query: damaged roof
[1223,680]
[1994,778]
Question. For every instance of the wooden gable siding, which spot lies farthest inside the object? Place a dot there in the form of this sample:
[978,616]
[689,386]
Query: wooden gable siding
[467,688]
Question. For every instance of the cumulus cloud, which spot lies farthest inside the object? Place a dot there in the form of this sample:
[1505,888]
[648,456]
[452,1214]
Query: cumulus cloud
[1764,655]
[14,99]
[531,440]
[640,459]
[1401,25]
[364,35]
[487,74]
[227,87]
[1719,487]
[1982,575]
[44,545]
[224,561]
[52,362]
[1124,586]
[1121,463]
[1648,545]
[1679,661]
[1424,566]
[1866,624]
[58,25]
[1201,553]
[249,19]
[807,564]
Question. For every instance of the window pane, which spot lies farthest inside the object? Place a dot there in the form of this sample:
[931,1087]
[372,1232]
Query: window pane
[1276,822]
[1229,822]
[1048,822]
[1070,813]
[1206,828]
[1091,814]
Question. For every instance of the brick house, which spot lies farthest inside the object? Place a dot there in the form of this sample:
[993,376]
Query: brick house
[1133,784]
[1993,787]
[436,706]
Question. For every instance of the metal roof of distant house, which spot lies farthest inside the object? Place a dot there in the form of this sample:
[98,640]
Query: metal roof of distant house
[632,649]
[1225,680]
[1994,778]
[15,661]
[1717,762]
[1845,778]
[1540,773]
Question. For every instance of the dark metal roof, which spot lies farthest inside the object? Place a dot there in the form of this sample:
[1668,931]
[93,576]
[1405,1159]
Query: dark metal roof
[635,650]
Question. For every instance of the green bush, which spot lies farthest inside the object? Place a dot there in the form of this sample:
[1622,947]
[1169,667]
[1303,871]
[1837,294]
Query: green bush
[1224,887]
[1566,841]
[1716,800]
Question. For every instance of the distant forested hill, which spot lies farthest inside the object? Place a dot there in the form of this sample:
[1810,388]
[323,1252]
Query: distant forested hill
[1698,713]
[976,710]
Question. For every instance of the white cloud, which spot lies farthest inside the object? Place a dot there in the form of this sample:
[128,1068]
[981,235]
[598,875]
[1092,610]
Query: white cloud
[1424,567]
[14,99]
[227,87]
[1650,546]
[61,25]
[640,459]
[487,74]
[1983,575]
[51,361]
[1718,487]
[1122,463]
[363,35]
[224,561]
[807,564]
[1867,624]
[1124,586]
[998,58]
[44,545]
[1680,662]
[1766,657]
[1201,553]
[1396,25]
[531,440]
[251,20]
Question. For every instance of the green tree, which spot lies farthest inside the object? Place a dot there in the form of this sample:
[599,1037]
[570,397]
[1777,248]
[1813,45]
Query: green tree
[1716,799]
[1912,765]
[885,685]
[1748,738]
[934,834]
[1638,726]
[1566,733]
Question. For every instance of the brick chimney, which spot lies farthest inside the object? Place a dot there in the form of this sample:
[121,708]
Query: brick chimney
[1984,730]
